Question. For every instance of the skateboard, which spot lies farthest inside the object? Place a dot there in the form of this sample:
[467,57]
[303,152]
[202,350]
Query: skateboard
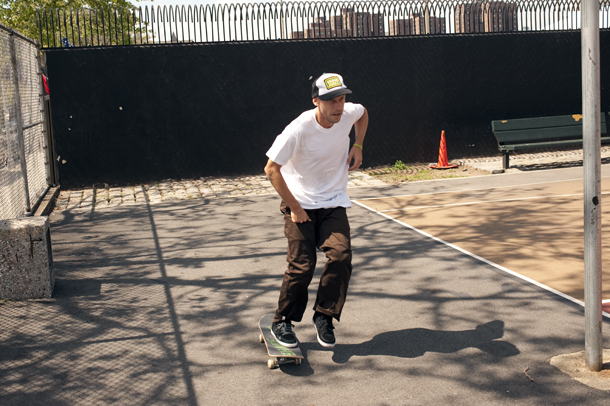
[278,353]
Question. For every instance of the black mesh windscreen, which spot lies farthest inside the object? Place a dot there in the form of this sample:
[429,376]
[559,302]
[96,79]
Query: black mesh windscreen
[124,115]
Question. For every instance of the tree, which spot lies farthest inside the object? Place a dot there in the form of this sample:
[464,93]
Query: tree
[22,15]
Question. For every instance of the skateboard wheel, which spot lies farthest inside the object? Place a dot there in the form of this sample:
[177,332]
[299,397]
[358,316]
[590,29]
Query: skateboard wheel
[297,361]
[261,338]
[271,363]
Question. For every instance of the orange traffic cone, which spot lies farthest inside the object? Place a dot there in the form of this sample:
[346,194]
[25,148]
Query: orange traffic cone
[443,163]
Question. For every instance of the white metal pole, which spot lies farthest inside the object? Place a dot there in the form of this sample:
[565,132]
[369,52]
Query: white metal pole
[592,186]
[281,19]
[426,18]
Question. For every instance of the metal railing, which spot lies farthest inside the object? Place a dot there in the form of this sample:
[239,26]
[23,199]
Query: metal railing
[85,27]
[24,163]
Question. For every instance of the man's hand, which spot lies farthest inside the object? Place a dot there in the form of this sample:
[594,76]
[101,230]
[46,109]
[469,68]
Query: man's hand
[299,215]
[356,155]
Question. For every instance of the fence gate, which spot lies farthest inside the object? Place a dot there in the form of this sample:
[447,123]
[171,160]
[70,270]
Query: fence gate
[25,161]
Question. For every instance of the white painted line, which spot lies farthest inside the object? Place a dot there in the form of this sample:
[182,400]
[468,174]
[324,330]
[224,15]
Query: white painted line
[500,267]
[479,202]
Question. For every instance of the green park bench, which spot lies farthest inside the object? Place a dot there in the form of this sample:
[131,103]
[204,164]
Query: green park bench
[540,132]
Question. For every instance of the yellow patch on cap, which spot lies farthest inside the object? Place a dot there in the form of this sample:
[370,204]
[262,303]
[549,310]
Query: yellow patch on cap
[332,82]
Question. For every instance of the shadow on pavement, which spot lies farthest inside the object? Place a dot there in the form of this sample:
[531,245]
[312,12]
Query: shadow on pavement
[411,343]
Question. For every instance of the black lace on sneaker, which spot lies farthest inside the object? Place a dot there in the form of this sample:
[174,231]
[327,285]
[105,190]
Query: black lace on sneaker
[324,325]
[286,328]
[283,333]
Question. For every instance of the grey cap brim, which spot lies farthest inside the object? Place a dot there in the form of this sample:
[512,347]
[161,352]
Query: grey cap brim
[332,95]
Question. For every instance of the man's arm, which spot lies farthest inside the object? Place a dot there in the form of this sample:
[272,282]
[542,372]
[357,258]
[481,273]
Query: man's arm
[297,213]
[355,153]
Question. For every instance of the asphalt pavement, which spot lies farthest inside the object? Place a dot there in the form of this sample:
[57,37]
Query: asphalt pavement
[158,304]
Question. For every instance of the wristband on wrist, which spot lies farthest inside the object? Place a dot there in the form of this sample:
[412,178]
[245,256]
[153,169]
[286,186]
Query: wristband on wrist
[358,145]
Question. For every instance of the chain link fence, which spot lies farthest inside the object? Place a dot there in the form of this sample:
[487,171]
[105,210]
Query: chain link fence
[24,160]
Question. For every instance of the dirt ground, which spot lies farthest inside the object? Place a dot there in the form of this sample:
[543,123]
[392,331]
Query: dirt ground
[400,173]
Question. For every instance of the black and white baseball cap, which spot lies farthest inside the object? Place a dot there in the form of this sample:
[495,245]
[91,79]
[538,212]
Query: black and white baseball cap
[328,86]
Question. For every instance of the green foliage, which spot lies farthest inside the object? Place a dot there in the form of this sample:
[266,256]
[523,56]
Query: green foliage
[399,166]
[21,14]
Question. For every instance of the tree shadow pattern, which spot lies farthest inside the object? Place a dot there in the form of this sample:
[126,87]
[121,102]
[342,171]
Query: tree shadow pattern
[158,304]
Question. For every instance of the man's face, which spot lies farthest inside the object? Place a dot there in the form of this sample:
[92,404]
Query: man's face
[329,111]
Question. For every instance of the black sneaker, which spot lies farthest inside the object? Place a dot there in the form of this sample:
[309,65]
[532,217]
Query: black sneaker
[283,334]
[324,326]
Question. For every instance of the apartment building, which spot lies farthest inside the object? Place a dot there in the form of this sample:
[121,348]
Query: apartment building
[478,16]
[363,24]
[416,25]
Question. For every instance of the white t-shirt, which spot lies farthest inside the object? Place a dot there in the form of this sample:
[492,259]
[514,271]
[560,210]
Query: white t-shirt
[314,158]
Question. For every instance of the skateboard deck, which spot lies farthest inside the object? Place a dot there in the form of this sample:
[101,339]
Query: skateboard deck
[278,353]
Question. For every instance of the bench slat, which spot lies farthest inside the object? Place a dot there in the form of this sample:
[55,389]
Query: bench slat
[539,122]
[516,147]
[543,134]
[540,134]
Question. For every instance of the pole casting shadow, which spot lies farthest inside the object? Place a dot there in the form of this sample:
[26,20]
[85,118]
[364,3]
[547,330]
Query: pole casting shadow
[416,342]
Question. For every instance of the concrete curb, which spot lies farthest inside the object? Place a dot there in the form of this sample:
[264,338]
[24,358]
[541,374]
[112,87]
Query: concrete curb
[169,189]
[47,204]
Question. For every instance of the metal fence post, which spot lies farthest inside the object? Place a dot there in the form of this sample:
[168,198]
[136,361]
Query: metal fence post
[591,98]
[426,18]
[43,113]
[24,172]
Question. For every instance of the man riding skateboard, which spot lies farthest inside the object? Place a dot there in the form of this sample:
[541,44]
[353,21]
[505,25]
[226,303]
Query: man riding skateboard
[308,166]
